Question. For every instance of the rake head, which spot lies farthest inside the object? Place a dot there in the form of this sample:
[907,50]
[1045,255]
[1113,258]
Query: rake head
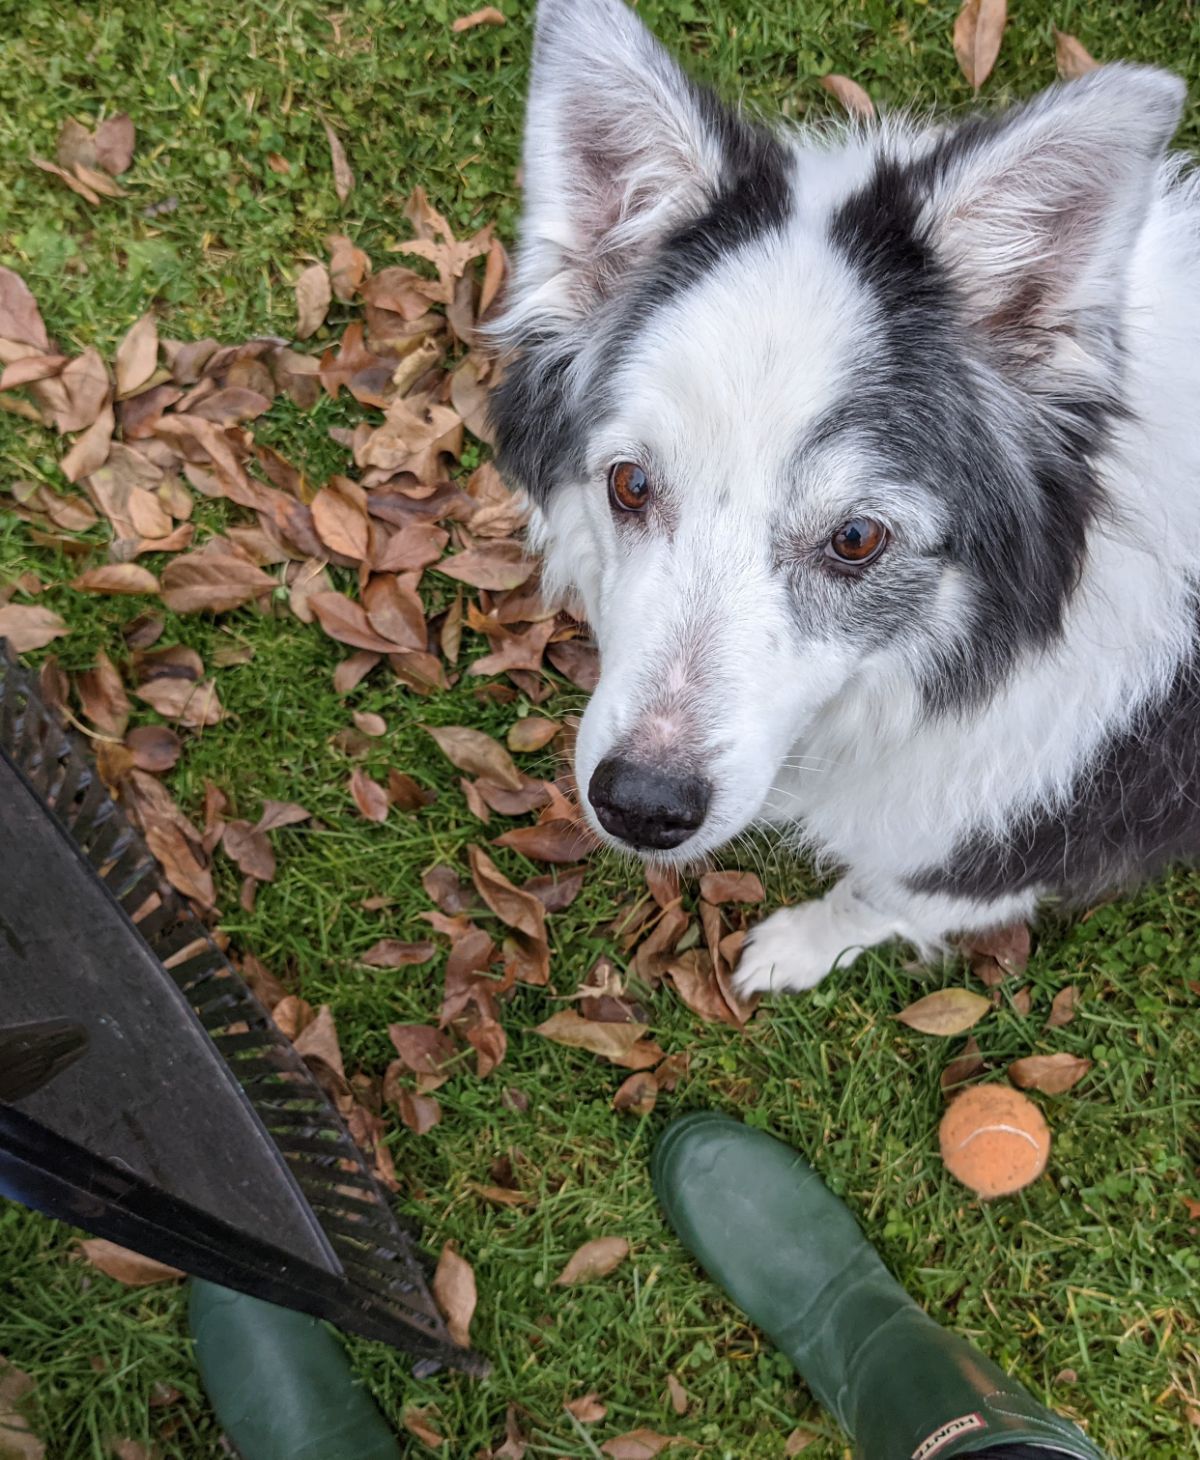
[146,1095]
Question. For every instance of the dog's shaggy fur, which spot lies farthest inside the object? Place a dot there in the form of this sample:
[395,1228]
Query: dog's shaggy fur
[984,337]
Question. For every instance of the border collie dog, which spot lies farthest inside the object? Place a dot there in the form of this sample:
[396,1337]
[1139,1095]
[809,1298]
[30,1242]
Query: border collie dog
[873,455]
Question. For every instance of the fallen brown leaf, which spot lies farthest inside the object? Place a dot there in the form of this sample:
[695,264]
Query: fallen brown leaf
[947,1012]
[495,565]
[1071,57]
[340,517]
[477,754]
[343,177]
[369,796]
[588,1409]
[192,705]
[638,1094]
[28,627]
[391,953]
[424,1051]
[978,31]
[314,295]
[117,578]
[209,581]
[137,356]
[249,848]
[595,1259]
[614,1042]
[103,698]
[556,842]
[532,733]
[513,906]
[416,1422]
[489,15]
[420,1113]
[130,1268]
[963,1067]
[17,1438]
[91,450]
[850,94]
[719,887]
[20,319]
[1052,1074]
[155,748]
[639,1445]
[677,1394]
[346,621]
[454,1289]
[114,143]
[1063,1008]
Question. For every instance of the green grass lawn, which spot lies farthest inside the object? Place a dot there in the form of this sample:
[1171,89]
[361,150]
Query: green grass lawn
[1085,1284]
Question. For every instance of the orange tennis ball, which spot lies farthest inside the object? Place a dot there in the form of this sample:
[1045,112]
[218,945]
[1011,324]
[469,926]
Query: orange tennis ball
[994,1140]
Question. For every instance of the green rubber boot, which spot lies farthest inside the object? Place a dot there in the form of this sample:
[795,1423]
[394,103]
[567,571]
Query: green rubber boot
[280,1382]
[766,1229]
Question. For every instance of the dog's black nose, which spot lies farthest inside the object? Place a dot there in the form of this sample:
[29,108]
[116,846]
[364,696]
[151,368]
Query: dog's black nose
[646,806]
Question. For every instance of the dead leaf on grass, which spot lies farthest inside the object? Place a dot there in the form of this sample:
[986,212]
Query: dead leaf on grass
[369,796]
[114,143]
[137,356]
[720,887]
[850,94]
[28,626]
[343,177]
[555,842]
[588,1409]
[639,1445]
[416,1422]
[211,581]
[420,1113]
[103,698]
[454,1289]
[117,578]
[614,1042]
[1071,57]
[595,1259]
[532,733]
[963,1067]
[314,295]
[155,748]
[130,1268]
[346,621]
[1063,1008]
[978,31]
[1052,1074]
[20,318]
[17,1439]
[638,1094]
[495,565]
[489,15]
[513,906]
[392,953]
[477,754]
[192,705]
[945,1013]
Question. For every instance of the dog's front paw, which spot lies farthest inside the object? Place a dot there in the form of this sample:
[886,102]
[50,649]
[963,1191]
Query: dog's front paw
[786,952]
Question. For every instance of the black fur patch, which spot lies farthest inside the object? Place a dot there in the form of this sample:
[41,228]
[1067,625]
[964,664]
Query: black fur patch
[941,408]
[541,417]
[1134,811]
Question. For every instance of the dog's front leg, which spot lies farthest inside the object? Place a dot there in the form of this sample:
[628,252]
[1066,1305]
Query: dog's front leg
[797,946]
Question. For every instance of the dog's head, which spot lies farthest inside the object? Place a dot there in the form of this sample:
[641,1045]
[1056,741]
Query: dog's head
[804,418]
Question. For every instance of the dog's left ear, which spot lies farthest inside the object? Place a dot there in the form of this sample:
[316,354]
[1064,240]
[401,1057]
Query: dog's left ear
[1035,212]
[621,146]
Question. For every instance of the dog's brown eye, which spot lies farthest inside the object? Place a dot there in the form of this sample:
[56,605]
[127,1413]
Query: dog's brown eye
[858,541]
[628,486]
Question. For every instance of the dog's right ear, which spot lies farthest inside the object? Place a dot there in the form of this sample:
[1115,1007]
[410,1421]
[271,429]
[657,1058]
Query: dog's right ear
[620,147]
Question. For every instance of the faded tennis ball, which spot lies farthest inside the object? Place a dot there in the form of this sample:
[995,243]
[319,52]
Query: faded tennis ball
[994,1140]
